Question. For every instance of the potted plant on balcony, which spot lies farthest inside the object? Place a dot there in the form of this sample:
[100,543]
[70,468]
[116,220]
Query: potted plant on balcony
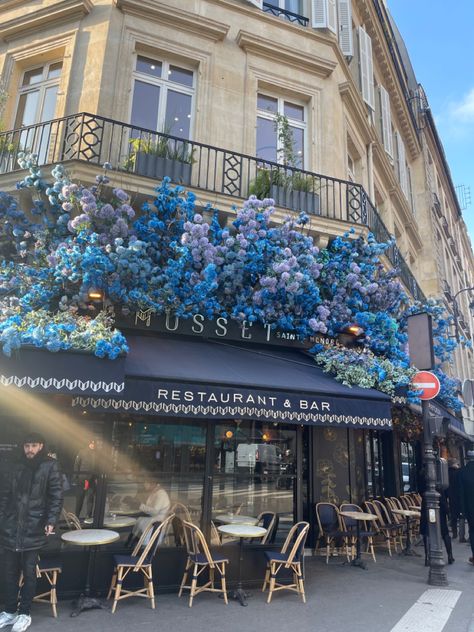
[286,184]
[160,156]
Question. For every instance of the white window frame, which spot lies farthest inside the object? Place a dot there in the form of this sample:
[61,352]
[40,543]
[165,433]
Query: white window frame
[281,5]
[40,86]
[386,121]
[366,67]
[165,85]
[293,122]
[402,164]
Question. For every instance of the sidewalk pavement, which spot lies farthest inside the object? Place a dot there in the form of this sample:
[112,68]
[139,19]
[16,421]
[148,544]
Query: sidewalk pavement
[339,597]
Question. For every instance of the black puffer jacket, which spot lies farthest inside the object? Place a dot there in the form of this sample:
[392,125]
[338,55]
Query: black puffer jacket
[31,497]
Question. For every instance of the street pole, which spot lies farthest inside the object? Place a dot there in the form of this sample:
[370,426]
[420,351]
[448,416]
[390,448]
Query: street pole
[437,574]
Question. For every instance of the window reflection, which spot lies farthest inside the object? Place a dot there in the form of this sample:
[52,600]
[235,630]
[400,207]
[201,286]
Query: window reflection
[254,472]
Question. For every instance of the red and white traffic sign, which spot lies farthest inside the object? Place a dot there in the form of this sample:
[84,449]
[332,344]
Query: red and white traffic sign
[426,382]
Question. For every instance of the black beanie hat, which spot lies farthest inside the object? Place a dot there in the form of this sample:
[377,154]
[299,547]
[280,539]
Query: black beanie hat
[33,437]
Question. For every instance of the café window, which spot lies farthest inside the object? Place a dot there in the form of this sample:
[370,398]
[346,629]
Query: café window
[255,473]
[408,467]
[163,94]
[374,464]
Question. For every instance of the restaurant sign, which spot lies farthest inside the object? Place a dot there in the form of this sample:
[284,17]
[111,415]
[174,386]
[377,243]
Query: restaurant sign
[204,401]
[219,329]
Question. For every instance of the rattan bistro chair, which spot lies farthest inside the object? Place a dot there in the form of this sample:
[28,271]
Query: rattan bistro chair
[269,521]
[290,558]
[200,559]
[49,570]
[330,530]
[138,563]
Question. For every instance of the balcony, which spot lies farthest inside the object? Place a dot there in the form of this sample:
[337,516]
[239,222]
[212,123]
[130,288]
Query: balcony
[287,15]
[94,140]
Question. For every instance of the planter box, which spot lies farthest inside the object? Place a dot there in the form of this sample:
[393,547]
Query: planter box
[303,201]
[158,167]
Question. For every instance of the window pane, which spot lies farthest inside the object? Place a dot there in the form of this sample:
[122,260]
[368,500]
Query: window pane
[298,138]
[181,75]
[32,76]
[49,104]
[149,66]
[267,103]
[145,105]
[294,6]
[254,472]
[266,139]
[157,468]
[178,114]
[55,70]
[27,107]
[293,111]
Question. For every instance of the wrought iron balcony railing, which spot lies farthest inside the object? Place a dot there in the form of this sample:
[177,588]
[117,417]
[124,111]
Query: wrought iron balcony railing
[283,13]
[96,140]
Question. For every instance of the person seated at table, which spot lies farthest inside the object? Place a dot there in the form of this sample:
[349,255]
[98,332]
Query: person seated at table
[156,506]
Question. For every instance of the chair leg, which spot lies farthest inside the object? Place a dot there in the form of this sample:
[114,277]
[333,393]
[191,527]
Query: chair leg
[300,583]
[371,544]
[267,578]
[223,584]
[272,582]
[112,584]
[185,578]
[118,588]
[54,599]
[328,550]
[193,585]
[150,589]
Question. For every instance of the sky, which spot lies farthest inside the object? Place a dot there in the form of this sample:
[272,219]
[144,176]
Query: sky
[439,36]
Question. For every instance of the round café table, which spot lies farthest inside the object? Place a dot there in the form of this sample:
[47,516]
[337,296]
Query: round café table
[118,522]
[90,539]
[236,519]
[358,516]
[241,531]
[407,514]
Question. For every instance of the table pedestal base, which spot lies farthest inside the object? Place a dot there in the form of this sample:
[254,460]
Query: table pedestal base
[239,595]
[88,603]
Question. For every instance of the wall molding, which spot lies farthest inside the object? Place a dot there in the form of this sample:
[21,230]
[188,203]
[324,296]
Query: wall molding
[62,11]
[177,18]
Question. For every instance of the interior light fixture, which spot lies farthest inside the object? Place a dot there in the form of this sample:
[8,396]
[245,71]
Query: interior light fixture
[229,434]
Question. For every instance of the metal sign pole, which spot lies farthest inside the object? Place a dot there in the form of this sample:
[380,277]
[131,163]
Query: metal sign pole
[437,574]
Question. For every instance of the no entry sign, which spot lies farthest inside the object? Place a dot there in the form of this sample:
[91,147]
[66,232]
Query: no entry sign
[428,383]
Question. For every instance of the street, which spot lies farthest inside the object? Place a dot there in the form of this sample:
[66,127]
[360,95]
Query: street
[391,595]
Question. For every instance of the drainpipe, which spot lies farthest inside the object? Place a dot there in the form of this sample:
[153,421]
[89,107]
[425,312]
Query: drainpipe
[370,172]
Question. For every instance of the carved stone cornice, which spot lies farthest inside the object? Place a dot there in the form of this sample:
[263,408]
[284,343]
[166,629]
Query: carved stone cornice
[391,82]
[59,12]
[176,18]
[294,57]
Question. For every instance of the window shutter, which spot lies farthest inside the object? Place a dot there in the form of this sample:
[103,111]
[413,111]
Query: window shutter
[366,68]
[332,16]
[386,121]
[256,3]
[345,27]
[402,164]
[324,14]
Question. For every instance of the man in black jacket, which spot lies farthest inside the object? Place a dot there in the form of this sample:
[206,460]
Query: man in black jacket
[30,504]
[467,498]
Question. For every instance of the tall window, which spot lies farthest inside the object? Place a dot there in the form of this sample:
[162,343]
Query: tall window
[163,97]
[38,94]
[270,145]
[288,5]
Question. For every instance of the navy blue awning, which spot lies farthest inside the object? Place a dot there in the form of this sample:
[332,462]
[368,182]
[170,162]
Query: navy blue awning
[63,372]
[211,379]
[455,425]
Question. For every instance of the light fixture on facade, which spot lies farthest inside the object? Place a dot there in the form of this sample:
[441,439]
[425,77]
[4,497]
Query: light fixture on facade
[95,294]
[352,336]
